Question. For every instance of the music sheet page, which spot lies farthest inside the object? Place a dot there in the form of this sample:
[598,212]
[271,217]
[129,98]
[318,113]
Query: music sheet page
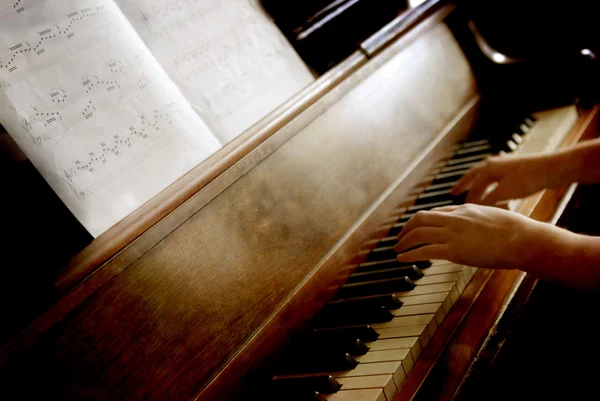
[228,58]
[92,109]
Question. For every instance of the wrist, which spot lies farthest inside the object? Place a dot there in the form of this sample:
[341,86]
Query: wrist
[559,169]
[546,246]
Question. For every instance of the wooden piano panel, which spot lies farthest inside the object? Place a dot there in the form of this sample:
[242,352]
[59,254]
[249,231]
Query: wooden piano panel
[168,322]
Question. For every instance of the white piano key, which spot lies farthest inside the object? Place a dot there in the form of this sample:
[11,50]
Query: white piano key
[461,283]
[419,331]
[385,382]
[454,294]
[380,368]
[357,395]
[468,274]
[427,289]
[385,356]
[422,309]
[440,262]
[443,269]
[411,343]
[406,331]
[424,299]
[438,279]
[403,355]
[404,321]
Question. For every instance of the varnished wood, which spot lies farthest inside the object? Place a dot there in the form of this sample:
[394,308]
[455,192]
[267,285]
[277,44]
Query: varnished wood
[151,323]
[442,367]
[234,159]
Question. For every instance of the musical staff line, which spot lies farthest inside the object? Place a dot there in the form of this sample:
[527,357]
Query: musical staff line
[47,34]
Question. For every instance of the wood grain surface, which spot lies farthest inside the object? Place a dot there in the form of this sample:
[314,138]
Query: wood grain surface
[169,316]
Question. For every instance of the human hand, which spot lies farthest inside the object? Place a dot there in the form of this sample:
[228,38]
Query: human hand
[475,235]
[516,177]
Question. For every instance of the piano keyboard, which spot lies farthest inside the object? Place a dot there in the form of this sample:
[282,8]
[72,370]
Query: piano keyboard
[366,341]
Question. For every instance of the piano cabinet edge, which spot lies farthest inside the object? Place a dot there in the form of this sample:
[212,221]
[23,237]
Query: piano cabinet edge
[443,367]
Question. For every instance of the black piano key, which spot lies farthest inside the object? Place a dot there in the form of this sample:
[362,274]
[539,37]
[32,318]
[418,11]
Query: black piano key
[425,206]
[451,176]
[362,333]
[475,150]
[390,263]
[352,346]
[323,384]
[388,301]
[320,362]
[383,253]
[298,395]
[336,317]
[446,197]
[465,159]
[388,241]
[388,286]
[412,272]
[433,196]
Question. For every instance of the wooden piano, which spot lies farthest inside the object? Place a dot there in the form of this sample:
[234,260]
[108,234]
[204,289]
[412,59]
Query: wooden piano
[220,282]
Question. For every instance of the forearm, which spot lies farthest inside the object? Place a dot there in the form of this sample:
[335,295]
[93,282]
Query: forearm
[580,163]
[564,257]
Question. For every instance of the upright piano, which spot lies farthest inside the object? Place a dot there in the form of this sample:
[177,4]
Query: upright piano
[267,271]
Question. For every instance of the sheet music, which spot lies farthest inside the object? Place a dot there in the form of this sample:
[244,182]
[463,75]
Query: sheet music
[229,59]
[92,109]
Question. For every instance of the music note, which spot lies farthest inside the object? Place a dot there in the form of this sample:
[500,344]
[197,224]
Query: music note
[57,95]
[91,82]
[115,65]
[89,111]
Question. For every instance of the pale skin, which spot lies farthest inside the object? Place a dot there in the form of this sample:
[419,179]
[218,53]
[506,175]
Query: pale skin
[479,235]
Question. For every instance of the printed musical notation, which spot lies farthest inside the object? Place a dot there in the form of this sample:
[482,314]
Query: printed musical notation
[46,36]
[162,17]
[82,102]
[127,142]
[17,7]
[231,62]
[92,108]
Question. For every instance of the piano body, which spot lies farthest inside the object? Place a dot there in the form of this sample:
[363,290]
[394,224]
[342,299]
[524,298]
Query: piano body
[198,294]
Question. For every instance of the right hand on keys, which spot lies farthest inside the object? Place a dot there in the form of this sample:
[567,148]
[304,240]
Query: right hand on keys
[515,177]
[477,235]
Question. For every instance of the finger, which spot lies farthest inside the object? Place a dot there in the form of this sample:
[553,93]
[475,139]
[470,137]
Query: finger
[446,209]
[427,252]
[479,187]
[424,219]
[420,236]
[465,182]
